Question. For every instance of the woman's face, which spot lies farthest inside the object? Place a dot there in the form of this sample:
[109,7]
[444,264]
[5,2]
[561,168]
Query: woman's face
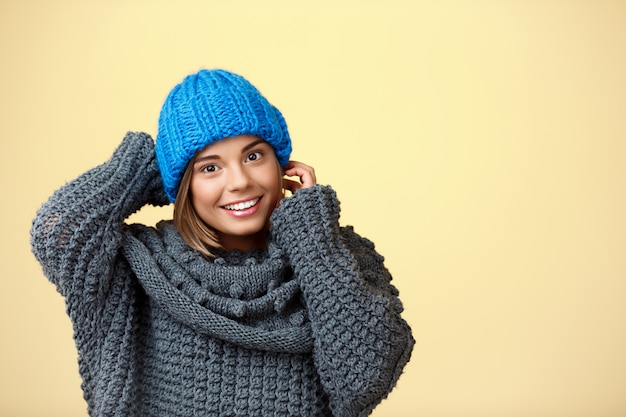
[236,184]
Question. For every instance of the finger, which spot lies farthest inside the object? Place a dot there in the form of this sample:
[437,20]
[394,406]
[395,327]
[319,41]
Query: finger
[295,166]
[291,185]
[301,179]
[305,173]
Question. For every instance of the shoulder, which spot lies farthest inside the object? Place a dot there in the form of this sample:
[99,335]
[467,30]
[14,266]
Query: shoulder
[138,229]
[149,235]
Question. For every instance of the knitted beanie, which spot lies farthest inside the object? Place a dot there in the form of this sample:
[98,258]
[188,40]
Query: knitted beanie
[209,106]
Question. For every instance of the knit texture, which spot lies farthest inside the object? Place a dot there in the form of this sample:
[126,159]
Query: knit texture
[309,327]
[209,106]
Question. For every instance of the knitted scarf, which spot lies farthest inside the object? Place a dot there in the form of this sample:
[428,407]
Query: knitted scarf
[247,299]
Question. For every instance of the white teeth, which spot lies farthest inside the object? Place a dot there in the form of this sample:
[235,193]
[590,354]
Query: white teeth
[242,206]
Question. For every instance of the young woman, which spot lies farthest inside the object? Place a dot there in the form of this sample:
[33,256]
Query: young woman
[248,303]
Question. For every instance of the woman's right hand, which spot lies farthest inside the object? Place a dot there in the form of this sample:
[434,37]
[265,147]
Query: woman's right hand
[305,176]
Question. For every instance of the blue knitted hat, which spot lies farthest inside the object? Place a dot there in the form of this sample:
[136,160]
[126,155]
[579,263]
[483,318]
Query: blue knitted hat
[209,106]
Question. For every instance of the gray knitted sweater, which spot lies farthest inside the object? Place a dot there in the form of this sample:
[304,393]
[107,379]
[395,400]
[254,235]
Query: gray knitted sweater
[309,327]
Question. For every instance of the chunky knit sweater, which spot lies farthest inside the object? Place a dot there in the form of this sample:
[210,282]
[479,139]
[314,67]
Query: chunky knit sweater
[309,327]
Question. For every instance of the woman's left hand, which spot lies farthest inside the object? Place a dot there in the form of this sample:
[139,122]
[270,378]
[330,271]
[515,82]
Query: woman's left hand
[305,174]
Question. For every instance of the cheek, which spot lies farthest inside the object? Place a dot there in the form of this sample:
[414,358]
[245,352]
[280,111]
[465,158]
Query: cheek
[275,182]
[272,182]
[202,194]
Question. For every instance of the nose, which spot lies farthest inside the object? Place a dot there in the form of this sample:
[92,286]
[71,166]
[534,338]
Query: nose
[238,178]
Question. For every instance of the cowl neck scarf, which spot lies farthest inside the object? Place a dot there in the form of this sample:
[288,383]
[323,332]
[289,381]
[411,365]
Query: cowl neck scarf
[251,299]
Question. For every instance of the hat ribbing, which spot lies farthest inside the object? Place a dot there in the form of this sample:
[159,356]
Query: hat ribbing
[209,106]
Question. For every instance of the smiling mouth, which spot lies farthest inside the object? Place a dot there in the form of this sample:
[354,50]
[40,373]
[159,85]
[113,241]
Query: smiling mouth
[243,205]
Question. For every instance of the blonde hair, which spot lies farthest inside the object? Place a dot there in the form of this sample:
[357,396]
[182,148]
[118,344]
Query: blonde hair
[191,227]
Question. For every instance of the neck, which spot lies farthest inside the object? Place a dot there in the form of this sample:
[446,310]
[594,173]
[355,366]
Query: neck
[244,243]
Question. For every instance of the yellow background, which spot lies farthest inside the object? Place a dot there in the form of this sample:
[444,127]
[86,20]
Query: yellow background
[480,144]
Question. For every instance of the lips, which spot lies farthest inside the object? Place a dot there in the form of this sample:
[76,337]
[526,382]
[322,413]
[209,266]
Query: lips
[243,205]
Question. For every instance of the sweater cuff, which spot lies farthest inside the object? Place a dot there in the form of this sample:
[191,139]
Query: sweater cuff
[136,152]
[309,218]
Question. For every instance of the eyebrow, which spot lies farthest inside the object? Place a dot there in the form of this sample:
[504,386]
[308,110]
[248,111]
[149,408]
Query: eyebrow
[243,150]
[252,145]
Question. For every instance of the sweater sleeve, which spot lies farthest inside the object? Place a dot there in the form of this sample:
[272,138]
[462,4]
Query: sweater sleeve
[361,342]
[77,232]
